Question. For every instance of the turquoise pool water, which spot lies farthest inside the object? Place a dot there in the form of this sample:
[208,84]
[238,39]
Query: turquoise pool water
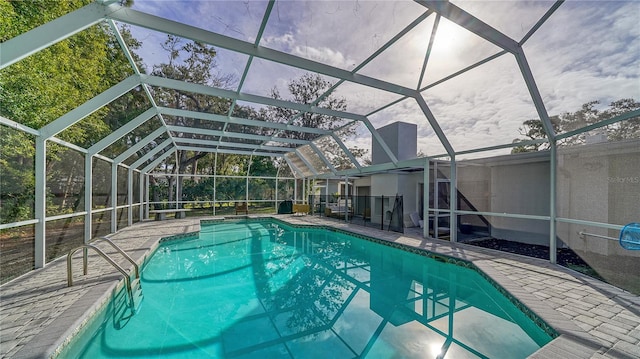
[261,290]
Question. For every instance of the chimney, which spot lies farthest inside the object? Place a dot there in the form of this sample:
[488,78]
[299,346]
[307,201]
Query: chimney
[402,139]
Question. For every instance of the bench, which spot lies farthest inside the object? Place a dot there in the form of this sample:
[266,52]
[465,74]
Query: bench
[161,214]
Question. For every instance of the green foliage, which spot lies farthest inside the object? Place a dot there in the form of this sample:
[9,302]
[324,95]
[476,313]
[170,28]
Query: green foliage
[17,182]
[50,83]
[533,130]
[230,189]
[65,180]
[194,62]
[46,85]
[625,129]
[588,114]
[19,17]
[198,190]
[307,90]
[263,166]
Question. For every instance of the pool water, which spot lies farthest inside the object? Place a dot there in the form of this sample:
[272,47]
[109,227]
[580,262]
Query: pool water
[262,290]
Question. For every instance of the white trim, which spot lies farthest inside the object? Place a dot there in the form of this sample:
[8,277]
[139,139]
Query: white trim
[18,224]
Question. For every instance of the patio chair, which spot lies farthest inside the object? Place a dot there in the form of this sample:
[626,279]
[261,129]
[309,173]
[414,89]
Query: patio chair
[300,209]
[242,207]
[415,218]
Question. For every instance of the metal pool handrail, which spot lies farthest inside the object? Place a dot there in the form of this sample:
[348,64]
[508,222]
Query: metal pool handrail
[127,280]
[583,234]
[126,256]
[629,236]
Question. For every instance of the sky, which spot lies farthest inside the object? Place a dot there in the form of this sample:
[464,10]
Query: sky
[587,50]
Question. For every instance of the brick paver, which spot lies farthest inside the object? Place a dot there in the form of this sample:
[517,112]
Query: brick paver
[595,320]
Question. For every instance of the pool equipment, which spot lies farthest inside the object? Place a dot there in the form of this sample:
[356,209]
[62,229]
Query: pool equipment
[630,236]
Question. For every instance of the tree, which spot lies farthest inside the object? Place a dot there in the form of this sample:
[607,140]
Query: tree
[587,115]
[533,130]
[192,62]
[306,90]
[625,129]
[44,86]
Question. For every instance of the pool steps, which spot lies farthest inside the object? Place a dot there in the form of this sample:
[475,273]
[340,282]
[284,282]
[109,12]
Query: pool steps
[133,288]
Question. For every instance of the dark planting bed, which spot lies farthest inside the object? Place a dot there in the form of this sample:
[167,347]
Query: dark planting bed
[565,256]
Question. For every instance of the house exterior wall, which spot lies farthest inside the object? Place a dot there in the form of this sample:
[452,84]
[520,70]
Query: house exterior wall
[390,184]
[362,182]
[596,182]
[601,183]
[514,184]
[474,184]
[521,189]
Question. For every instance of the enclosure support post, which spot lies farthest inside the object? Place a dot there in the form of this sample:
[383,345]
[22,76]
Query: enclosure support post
[295,190]
[382,212]
[146,194]
[40,200]
[326,195]
[114,197]
[178,187]
[141,178]
[88,204]
[276,194]
[453,201]
[246,186]
[346,198]
[88,193]
[177,180]
[552,203]
[436,200]
[130,196]
[425,204]
[215,171]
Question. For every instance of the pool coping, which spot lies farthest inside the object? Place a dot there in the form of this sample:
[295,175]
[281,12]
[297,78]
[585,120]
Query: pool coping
[45,336]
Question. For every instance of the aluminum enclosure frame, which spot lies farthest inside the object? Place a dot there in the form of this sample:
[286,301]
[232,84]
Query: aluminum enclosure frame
[31,42]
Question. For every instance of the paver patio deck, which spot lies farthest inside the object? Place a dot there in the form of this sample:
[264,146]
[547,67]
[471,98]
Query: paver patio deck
[594,319]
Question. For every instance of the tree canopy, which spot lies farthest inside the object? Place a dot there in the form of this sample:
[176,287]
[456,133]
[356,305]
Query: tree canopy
[311,89]
[48,84]
[44,86]
[588,114]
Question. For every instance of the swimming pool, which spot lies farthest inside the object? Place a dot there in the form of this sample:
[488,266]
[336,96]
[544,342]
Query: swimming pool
[261,289]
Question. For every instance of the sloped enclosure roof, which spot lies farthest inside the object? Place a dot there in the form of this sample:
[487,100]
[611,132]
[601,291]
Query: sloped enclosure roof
[468,73]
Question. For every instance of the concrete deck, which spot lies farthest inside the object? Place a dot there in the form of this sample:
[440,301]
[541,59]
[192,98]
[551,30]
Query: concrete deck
[595,320]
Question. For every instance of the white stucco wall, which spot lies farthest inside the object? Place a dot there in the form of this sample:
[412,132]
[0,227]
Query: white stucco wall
[601,183]
[362,182]
[521,189]
[516,184]
[390,184]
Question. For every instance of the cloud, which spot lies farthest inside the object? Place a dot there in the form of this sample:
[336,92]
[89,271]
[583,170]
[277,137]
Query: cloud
[512,18]
[586,51]
[324,55]
[238,19]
